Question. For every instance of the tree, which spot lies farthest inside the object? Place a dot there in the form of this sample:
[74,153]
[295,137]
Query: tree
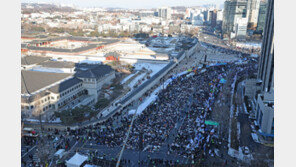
[77,114]
[37,109]
[37,28]
[45,149]
[94,34]
[102,103]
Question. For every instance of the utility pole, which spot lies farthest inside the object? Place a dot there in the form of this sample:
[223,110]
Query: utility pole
[126,138]
[40,123]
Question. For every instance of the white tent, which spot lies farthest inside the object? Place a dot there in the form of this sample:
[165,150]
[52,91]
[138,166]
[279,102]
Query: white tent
[88,165]
[131,112]
[60,153]
[76,160]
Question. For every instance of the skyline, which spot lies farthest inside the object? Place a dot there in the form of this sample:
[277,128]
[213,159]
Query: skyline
[130,4]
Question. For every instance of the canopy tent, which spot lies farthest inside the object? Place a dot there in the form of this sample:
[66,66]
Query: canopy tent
[76,161]
[216,64]
[88,165]
[222,81]
[212,123]
[131,112]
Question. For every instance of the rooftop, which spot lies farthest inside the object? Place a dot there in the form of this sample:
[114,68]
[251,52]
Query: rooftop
[29,60]
[34,80]
[88,47]
[57,64]
[92,44]
[65,85]
[92,71]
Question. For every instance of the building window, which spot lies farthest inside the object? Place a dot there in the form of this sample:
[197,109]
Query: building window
[272,126]
[52,97]
[48,98]
[260,118]
[27,107]
[32,107]
[41,101]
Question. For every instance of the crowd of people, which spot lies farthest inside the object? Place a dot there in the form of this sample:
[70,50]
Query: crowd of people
[175,120]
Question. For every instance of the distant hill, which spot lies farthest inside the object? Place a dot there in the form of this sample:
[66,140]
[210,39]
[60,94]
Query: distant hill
[28,8]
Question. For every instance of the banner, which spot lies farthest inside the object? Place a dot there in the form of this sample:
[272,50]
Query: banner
[212,123]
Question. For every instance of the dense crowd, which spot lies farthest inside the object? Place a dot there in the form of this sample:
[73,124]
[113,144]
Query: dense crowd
[187,102]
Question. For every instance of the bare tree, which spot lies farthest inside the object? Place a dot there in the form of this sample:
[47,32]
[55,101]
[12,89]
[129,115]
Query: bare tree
[44,151]
[37,109]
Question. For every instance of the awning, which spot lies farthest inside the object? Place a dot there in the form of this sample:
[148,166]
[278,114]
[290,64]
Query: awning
[222,81]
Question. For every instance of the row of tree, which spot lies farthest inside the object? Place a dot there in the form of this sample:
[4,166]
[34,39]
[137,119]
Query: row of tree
[78,114]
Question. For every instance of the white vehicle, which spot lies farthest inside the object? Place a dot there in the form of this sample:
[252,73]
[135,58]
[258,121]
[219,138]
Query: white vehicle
[60,153]
[246,150]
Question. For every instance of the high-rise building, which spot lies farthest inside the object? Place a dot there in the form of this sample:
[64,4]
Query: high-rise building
[219,18]
[219,15]
[206,14]
[165,12]
[241,27]
[265,100]
[234,12]
[213,19]
[262,15]
[188,13]
[253,13]
[196,17]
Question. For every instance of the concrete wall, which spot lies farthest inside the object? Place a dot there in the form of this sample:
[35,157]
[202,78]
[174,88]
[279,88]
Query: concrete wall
[267,114]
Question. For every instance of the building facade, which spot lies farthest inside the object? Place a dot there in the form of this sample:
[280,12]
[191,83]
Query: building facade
[213,18]
[45,93]
[234,12]
[253,14]
[54,98]
[265,99]
[241,28]
[165,12]
[262,15]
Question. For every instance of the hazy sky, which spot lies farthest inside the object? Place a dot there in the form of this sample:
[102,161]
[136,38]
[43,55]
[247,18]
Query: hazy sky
[131,3]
